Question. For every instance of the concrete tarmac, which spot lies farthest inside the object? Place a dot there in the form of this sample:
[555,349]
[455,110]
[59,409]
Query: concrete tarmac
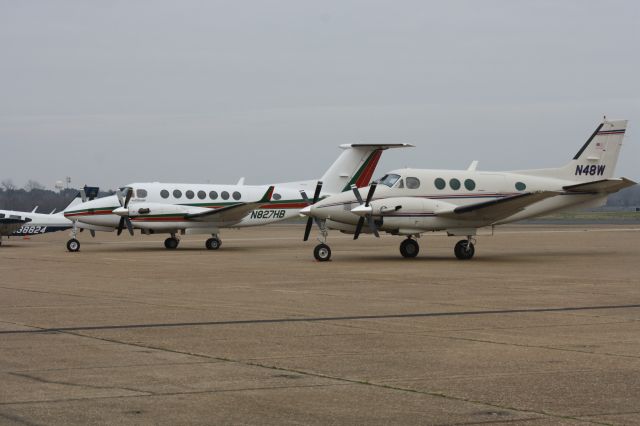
[541,327]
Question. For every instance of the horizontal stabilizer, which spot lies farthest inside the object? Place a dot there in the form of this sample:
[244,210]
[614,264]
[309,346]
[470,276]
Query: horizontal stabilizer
[377,145]
[607,186]
[495,210]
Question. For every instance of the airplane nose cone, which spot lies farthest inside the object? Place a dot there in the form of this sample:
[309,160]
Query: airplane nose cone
[362,210]
[121,211]
[306,211]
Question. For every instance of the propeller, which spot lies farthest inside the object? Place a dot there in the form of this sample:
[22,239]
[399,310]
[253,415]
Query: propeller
[368,215]
[123,211]
[316,196]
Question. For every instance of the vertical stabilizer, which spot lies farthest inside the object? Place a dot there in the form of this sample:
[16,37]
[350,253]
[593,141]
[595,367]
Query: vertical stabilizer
[596,159]
[355,166]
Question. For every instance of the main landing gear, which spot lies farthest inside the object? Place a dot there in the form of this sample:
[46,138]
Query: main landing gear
[172,242]
[409,248]
[213,243]
[73,244]
[464,249]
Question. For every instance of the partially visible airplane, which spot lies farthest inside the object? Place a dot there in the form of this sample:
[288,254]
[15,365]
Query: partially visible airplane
[18,224]
[179,208]
[410,202]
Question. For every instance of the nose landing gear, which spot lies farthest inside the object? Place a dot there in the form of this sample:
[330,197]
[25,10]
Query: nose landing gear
[73,244]
[322,252]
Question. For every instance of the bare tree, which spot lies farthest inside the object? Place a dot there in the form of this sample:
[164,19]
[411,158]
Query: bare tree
[33,184]
[8,185]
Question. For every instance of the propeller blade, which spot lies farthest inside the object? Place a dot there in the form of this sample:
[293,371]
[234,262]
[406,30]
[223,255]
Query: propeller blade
[121,225]
[316,194]
[92,232]
[127,221]
[307,229]
[356,192]
[305,197]
[358,228]
[120,197]
[372,226]
[128,197]
[372,190]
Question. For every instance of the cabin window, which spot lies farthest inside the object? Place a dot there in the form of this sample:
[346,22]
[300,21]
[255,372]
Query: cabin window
[413,183]
[164,193]
[213,195]
[236,195]
[469,184]
[141,193]
[190,194]
[454,184]
[400,184]
[389,180]
[276,196]
[202,195]
[224,195]
[440,183]
[520,186]
[177,193]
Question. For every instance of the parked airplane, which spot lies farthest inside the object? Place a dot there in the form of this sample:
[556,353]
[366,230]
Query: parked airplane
[410,202]
[18,224]
[179,208]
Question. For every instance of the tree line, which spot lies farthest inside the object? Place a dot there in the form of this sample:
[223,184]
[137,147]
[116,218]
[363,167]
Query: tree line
[35,194]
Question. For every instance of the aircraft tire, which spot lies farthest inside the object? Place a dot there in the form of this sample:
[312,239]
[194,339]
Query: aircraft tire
[171,243]
[73,245]
[464,250]
[322,252]
[409,248]
[213,244]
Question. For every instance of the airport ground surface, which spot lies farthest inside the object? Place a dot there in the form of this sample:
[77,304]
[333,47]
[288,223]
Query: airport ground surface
[542,327]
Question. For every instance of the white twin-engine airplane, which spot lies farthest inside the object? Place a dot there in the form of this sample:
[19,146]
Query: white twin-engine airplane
[19,224]
[410,202]
[179,208]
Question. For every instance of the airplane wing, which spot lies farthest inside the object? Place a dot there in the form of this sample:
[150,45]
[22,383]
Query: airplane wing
[495,210]
[607,186]
[231,213]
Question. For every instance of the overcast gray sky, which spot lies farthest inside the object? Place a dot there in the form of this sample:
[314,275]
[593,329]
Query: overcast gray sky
[111,92]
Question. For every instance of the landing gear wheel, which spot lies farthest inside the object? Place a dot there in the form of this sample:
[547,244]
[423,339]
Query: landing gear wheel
[73,245]
[171,243]
[322,252]
[464,250]
[213,243]
[409,248]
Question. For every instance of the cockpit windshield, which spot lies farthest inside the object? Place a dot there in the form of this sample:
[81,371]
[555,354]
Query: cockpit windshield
[389,180]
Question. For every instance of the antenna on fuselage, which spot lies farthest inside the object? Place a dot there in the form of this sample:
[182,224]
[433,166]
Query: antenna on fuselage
[473,166]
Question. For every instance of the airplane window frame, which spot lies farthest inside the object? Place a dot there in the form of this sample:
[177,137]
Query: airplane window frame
[521,186]
[389,180]
[202,195]
[141,193]
[224,195]
[190,194]
[236,195]
[165,194]
[177,194]
[455,184]
[415,185]
[440,183]
[470,184]
[213,195]
[276,196]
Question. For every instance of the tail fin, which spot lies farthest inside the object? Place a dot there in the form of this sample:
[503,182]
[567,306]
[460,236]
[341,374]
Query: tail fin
[355,166]
[596,159]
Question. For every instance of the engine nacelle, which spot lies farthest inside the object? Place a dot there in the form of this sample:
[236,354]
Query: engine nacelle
[145,209]
[402,205]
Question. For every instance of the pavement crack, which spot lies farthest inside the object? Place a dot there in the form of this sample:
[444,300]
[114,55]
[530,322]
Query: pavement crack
[84,386]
